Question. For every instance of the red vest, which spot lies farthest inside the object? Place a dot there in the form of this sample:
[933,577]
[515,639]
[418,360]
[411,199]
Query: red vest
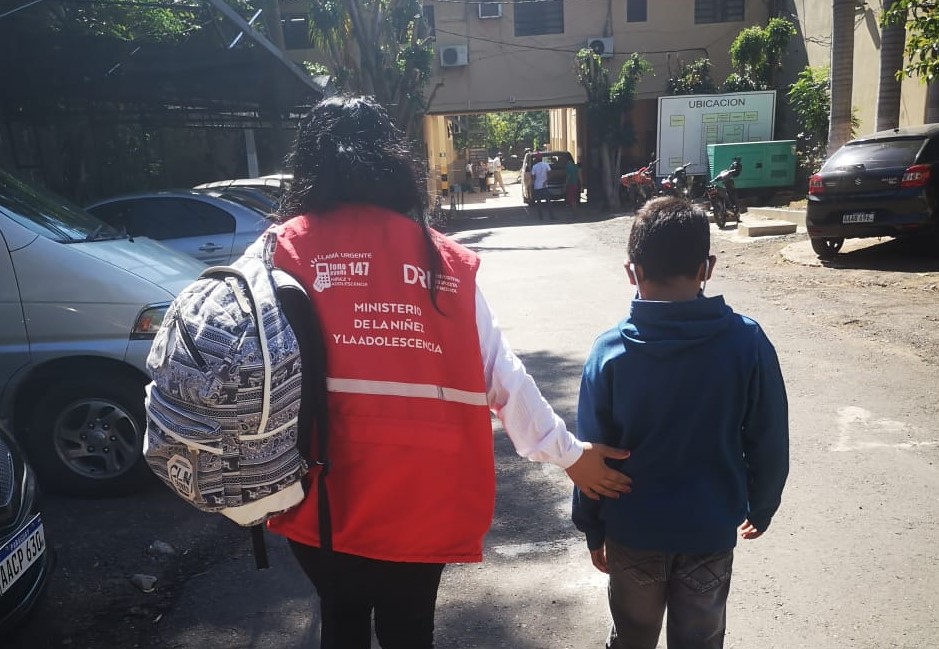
[412,473]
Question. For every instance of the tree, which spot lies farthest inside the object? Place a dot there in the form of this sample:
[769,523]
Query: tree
[515,131]
[811,102]
[607,107]
[692,79]
[892,38]
[380,48]
[757,53]
[921,21]
[842,73]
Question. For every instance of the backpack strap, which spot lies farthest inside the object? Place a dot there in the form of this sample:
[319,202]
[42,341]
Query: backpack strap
[301,314]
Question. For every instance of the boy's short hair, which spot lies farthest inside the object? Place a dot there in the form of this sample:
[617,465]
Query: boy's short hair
[670,238]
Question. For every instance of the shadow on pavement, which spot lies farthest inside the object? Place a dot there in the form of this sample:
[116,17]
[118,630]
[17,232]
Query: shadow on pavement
[909,255]
[522,216]
[208,593]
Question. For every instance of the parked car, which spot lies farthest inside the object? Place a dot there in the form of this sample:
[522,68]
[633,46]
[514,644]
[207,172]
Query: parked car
[557,177]
[80,303]
[250,197]
[26,561]
[274,185]
[211,229]
[885,184]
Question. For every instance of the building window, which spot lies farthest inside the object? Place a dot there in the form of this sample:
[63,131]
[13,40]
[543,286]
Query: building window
[296,33]
[537,18]
[637,11]
[718,11]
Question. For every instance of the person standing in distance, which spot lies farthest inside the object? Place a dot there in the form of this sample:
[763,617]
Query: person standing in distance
[695,391]
[539,184]
[415,364]
[497,173]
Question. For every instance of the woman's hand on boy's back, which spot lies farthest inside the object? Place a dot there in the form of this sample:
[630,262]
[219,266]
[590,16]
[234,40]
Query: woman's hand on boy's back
[594,477]
[749,532]
[598,557]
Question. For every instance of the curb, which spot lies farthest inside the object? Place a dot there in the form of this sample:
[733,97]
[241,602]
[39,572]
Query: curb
[796,216]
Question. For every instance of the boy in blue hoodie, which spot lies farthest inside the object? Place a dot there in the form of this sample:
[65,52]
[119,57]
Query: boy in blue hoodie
[695,392]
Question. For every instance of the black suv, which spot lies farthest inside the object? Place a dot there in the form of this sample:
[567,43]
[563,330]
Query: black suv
[885,184]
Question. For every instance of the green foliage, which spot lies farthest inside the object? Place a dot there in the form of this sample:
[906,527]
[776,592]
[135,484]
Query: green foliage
[692,79]
[315,69]
[810,99]
[738,83]
[121,19]
[922,36]
[606,100]
[506,131]
[377,47]
[747,52]
[756,54]
[607,107]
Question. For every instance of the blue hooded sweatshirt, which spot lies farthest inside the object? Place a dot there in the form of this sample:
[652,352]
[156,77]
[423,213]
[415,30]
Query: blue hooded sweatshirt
[695,392]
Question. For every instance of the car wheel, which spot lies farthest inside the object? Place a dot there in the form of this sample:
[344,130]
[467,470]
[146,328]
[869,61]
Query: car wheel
[86,437]
[827,248]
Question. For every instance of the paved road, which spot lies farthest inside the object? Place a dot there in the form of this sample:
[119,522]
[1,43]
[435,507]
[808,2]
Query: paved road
[849,562]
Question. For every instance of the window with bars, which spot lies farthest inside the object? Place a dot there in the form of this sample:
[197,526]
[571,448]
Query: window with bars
[637,11]
[537,18]
[718,11]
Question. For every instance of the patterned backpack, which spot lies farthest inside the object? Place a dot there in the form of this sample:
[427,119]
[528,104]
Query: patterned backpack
[224,407]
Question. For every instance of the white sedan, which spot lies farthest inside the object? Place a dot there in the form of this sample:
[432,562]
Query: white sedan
[210,228]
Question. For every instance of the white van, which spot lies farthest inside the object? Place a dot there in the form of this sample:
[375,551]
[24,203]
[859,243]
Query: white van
[80,303]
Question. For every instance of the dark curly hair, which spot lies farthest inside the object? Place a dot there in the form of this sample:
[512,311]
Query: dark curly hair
[349,151]
[670,238]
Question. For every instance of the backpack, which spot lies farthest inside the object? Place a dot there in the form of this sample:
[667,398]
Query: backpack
[237,349]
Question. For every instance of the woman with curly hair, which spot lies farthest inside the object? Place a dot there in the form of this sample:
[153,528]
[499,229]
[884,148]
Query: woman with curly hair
[415,364]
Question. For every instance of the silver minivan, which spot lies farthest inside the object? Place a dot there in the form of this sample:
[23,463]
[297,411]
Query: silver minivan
[80,302]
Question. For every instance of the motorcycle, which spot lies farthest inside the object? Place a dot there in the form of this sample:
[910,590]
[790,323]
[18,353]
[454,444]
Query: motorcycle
[676,183]
[638,186]
[722,194]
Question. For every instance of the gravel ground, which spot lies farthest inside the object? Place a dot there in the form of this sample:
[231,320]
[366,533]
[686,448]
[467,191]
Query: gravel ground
[877,289]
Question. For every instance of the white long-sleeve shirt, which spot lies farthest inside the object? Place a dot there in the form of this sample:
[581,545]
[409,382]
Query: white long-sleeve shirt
[534,428]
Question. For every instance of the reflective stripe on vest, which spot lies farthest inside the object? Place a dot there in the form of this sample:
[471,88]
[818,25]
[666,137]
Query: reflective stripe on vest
[395,389]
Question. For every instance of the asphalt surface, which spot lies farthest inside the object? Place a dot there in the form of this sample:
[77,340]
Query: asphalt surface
[849,562]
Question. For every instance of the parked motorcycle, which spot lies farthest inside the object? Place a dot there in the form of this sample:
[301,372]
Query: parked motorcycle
[722,194]
[676,183]
[638,186]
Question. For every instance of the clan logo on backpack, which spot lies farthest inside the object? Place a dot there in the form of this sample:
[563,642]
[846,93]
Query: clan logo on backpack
[223,407]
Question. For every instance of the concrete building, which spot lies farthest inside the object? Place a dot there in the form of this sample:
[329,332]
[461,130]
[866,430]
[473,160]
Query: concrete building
[501,56]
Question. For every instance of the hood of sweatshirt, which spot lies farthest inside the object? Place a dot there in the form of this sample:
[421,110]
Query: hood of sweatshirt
[664,328]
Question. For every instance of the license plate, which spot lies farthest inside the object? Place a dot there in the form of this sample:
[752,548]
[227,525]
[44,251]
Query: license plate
[858,217]
[20,552]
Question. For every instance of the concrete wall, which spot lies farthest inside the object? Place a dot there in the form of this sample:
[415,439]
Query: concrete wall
[814,24]
[505,72]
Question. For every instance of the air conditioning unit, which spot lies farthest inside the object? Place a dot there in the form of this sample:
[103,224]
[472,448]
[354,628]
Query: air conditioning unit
[602,45]
[490,10]
[452,56]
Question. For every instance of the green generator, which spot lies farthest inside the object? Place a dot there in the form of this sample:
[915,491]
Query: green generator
[767,165]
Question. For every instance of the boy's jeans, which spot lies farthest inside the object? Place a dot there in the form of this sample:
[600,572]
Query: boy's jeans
[644,583]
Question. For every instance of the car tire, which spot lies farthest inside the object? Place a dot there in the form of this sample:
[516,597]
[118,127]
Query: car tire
[827,248]
[86,437]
